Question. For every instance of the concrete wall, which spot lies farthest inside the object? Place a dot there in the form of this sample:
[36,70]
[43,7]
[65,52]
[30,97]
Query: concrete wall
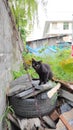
[10,57]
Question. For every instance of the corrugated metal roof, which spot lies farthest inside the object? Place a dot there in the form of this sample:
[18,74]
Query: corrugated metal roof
[48,37]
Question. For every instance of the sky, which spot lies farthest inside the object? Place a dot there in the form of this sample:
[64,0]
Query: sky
[54,9]
[60,6]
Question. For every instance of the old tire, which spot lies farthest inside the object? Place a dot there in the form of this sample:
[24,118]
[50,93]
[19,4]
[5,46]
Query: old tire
[32,107]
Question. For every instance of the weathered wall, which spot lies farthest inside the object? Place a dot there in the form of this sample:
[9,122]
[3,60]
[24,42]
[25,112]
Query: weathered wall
[9,53]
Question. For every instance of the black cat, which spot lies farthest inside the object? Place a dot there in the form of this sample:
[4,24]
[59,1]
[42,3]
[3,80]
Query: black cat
[43,70]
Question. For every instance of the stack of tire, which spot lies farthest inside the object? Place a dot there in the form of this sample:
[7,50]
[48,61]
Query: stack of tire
[35,106]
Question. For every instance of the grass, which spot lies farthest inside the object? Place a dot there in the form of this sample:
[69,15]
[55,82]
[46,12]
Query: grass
[61,65]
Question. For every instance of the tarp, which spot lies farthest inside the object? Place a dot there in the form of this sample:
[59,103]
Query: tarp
[48,50]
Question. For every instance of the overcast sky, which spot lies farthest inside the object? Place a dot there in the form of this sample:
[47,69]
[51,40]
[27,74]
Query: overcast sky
[60,7]
[57,6]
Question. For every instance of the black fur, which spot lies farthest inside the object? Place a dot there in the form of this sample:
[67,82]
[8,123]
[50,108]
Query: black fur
[43,70]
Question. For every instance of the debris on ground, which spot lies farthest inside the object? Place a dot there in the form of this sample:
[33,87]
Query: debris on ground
[50,105]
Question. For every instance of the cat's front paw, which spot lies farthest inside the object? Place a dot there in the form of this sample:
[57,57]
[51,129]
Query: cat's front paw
[45,82]
[39,83]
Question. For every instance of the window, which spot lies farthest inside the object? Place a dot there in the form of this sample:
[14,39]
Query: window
[65,25]
[54,25]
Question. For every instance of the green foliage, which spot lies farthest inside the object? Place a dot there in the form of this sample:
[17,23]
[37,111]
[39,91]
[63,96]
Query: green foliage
[5,115]
[33,73]
[61,65]
[67,65]
[28,58]
[17,74]
[24,12]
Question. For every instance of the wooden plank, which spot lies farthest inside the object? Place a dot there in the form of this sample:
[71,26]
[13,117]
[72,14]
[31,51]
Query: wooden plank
[13,120]
[49,121]
[53,90]
[64,121]
[53,116]
[69,102]
[21,80]
[25,93]
[67,95]
[49,85]
[44,88]
[22,83]
[29,124]
[71,86]
[34,93]
[65,85]
[19,88]
[18,85]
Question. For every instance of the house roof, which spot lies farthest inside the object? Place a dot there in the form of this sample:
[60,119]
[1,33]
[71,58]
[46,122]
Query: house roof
[50,37]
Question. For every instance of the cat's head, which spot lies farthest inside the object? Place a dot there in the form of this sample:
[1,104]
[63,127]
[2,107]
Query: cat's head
[36,64]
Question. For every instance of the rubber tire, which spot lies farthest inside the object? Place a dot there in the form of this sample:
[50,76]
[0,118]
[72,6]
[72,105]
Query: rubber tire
[32,107]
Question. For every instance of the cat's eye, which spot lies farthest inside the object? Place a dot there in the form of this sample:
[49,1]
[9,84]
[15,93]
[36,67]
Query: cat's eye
[37,65]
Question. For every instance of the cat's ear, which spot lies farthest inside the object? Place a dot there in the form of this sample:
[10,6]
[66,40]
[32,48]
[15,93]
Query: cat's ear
[40,61]
[33,59]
